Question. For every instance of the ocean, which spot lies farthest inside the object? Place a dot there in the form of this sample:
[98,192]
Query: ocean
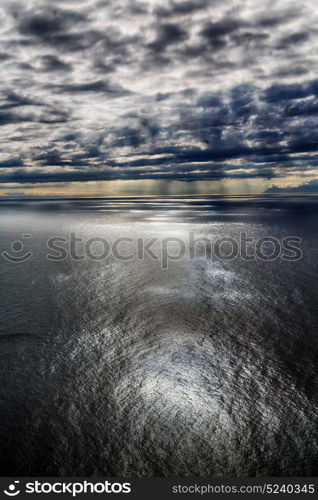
[145,362]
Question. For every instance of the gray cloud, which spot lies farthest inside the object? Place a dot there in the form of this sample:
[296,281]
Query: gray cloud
[182,8]
[96,86]
[52,63]
[172,90]
[167,35]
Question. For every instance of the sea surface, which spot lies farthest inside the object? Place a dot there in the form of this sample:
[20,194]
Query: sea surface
[125,366]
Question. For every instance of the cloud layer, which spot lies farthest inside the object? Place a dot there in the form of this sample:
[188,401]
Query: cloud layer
[110,90]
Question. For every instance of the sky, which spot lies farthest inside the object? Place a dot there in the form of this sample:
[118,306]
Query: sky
[125,97]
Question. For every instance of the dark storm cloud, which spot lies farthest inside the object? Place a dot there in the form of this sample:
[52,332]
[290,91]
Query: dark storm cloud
[294,39]
[302,108]
[215,33]
[11,163]
[96,86]
[290,72]
[49,158]
[55,27]
[53,63]
[44,117]
[11,99]
[179,90]
[181,8]
[19,108]
[48,24]
[36,176]
[8,118]
[278,92]
[72,42]
[278,18]
[245,32]
[168,34]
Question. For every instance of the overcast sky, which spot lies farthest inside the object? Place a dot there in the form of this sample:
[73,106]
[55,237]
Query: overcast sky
[120,96]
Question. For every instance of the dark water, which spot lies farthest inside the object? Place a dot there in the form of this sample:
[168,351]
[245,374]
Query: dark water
[120,367]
